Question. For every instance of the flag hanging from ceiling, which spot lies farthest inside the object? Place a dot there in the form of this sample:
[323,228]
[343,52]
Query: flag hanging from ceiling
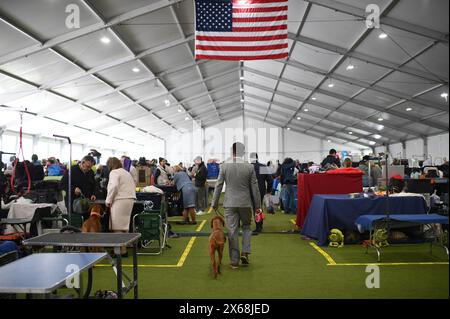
[241,29]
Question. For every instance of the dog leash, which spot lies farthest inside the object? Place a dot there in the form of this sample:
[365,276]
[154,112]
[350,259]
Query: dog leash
[216,211]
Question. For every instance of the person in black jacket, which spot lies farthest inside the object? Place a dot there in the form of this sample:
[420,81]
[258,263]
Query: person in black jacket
[288,180]
[200,184]
[83,180]
[331,159]
[265,180]
[37,170]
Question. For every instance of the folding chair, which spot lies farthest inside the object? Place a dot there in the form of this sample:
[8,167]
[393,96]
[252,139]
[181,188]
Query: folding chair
[152,227]
[76,220]
[22,223]
[49,220]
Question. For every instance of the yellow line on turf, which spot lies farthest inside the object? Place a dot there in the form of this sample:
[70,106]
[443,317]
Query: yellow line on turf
[199,228]
[141,266]
[189,246]
[390,264]
[181,261]
[324,254]
[186,252]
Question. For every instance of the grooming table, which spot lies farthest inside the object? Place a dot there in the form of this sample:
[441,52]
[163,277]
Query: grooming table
[366,222]
[99,240]
[44,273]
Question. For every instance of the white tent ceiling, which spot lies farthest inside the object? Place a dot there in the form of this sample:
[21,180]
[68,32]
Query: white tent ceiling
[145,81]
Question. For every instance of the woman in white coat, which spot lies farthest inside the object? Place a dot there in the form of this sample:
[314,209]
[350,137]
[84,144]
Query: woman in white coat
[120,198]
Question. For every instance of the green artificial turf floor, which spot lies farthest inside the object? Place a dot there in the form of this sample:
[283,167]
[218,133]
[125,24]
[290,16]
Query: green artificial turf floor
[283,266]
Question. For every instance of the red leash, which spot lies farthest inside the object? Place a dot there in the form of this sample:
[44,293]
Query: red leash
[13,176]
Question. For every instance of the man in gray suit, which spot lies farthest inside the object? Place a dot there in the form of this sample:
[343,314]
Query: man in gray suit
[240,179]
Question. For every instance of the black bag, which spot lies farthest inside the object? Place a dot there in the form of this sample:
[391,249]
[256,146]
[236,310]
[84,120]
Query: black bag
[81,205]
[42,196]
[155,198]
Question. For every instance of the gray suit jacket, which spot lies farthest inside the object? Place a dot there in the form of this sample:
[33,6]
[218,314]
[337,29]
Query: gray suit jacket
[240,179]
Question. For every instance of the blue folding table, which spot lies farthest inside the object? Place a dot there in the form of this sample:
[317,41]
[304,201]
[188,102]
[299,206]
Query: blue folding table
[341,211]
[367,222]
[46,272]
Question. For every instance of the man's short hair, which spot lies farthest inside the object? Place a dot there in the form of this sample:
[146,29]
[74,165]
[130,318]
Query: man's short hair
[88,158]
[332,151]
[238,149]
[34,157]
[254,155]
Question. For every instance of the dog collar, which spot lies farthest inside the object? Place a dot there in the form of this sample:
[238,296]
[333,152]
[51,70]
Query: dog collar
[96,214]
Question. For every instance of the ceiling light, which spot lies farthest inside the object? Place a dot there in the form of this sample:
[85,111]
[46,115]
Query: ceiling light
[350,67]
[445,96]
[351,133]
[306,110]
[314,98]
[408,109]
[329,141]
[180,110]
[242,100]
[135,70]
[383,36]
[377,136]
[331,85]
[372,143]
[187,118]
[241,89]
[288,128]
[167,102]
[299,118]
[380,119]
[241,78]
[380,127]
[105,40]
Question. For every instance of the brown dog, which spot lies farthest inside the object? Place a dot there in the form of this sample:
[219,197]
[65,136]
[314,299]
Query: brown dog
[216,243]
[92,224]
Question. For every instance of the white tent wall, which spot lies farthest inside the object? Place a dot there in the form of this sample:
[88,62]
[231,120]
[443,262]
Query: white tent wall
[414,149]
[299,146]
[437,149]
[396,150]
[49,147]
[264,139]
[269,141]
[212,142]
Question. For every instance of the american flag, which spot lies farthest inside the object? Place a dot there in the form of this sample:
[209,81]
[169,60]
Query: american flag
[241,29]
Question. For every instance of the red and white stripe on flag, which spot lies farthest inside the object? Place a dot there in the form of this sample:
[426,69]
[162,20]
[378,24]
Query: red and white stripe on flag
[259,31]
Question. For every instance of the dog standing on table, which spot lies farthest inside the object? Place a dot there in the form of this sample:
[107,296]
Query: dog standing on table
[217,241]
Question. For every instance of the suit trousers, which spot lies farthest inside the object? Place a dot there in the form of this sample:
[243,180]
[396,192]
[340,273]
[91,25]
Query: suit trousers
[233,217]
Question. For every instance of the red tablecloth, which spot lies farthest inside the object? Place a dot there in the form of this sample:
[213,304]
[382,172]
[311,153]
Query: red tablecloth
[311,184]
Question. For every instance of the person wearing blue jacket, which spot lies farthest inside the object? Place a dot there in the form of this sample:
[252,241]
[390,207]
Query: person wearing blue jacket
[288,180]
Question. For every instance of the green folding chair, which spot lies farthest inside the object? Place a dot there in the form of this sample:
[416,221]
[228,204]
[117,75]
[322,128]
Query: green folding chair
[152,228]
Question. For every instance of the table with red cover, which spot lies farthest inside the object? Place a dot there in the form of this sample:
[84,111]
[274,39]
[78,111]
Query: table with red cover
[340,182]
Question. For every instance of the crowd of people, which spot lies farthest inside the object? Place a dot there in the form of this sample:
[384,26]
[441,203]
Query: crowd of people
[247,185]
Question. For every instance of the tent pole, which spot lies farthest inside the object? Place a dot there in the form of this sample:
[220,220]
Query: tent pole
[69,190]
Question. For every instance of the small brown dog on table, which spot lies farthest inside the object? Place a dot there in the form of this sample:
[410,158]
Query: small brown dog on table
[217,241]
